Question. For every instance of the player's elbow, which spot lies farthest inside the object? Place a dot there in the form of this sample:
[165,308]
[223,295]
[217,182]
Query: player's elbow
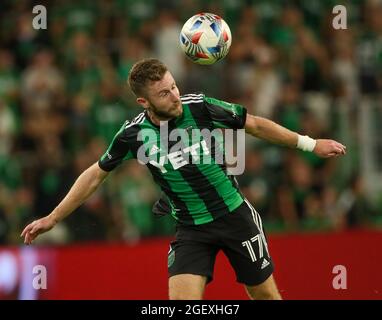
[252,125]
[96,175]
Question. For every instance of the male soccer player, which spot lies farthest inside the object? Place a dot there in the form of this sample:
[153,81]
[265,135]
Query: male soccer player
[211,212]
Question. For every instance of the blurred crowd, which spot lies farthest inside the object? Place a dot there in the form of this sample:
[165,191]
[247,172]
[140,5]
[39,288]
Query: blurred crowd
[63,96]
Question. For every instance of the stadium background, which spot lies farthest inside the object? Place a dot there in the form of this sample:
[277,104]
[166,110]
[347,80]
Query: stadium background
[63,95]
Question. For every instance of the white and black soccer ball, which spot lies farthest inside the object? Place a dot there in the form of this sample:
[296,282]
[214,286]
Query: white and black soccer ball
[205,38]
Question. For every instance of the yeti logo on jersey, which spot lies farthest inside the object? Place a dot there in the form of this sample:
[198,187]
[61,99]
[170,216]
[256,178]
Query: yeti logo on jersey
[173,149]
[178,159]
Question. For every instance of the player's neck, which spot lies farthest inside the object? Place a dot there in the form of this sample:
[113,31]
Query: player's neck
[155,118]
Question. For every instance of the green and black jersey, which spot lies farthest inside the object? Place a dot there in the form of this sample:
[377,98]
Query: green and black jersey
[183,158]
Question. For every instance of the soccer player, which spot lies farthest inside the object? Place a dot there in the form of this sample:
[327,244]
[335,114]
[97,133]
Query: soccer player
[211,212]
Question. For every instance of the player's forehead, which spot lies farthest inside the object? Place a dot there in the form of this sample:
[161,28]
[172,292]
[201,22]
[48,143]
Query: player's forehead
[164,84]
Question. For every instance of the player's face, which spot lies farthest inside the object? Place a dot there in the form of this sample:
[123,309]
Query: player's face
[163,98]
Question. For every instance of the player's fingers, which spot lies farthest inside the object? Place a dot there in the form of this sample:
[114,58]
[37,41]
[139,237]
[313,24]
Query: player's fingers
[336,150]
[35,229]
[26,229]
[30,237]
[342,147]
[27,239]
[23,232]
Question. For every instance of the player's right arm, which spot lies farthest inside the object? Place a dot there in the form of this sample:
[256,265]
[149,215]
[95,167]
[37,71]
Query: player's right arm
[87,183]
[82,189]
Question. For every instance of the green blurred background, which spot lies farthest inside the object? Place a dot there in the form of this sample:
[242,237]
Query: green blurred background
[63,96]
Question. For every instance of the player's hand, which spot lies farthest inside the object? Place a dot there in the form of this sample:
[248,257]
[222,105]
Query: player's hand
[32,230]
[326,148]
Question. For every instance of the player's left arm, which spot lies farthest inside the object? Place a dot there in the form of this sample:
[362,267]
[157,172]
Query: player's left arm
[270,131]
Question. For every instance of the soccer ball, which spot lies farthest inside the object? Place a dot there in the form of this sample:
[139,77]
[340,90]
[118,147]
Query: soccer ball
[205,38]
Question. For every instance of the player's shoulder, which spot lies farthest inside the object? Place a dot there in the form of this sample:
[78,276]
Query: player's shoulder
[130,126]
[192,98]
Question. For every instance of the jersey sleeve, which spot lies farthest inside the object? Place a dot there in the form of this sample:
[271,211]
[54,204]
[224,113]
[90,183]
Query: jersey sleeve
[118,151]
[225,114]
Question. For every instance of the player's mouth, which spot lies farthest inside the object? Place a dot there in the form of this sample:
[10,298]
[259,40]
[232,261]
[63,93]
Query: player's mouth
[176,105]
[178,108]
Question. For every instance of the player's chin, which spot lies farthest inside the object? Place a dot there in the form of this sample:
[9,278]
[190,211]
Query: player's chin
[177,111]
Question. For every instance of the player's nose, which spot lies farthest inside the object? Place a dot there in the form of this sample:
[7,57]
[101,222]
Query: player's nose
[174,97]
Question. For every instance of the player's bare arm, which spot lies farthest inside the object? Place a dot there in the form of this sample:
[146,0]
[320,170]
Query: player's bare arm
[82,189]
[273,132]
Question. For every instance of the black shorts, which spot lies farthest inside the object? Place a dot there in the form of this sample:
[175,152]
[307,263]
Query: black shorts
[241,237]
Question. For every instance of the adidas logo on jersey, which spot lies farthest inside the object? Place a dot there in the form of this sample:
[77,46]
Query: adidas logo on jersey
[265,263]
[154,150]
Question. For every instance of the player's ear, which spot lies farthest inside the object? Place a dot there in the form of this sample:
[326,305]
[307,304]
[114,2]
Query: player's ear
[143,102]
